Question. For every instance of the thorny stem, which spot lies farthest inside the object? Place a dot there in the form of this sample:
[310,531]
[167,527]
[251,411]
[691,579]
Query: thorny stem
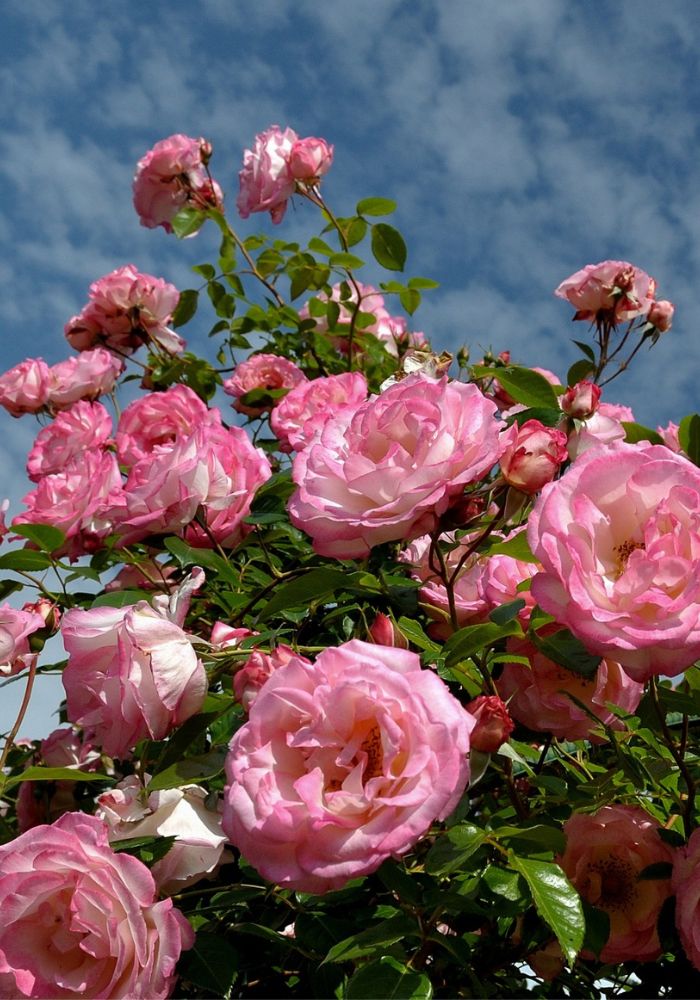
[224,223]
[678,756]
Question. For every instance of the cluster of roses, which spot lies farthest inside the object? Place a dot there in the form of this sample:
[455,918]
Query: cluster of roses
[348,760]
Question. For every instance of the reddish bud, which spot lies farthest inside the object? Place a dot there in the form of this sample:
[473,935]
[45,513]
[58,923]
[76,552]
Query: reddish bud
[384,632]
[532,456]
[581,400]
[661,315]
[493,723]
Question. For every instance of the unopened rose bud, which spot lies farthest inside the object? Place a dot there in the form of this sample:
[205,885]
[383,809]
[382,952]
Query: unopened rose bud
[49,611]
[661,315]
[384,632]
[532,456]
[493,723]
[310,159]
[205,150]
[581,400]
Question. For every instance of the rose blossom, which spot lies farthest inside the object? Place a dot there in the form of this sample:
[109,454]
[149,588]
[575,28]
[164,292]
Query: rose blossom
[266,181]
[309,405]
[614,288]
[264,372]
[198,850]
[618,537]
[604,427]
[669,433]
[538,695]
[250,678]
[661,315]
[79,920]
[493,723]
[581,400]
[605,854]
[343,763]
[532,455]
[87,376]
[16,628]
[25,388]
[310,159]
[171,176]
[44,801]
[156,421]
[132,674]
[391,467]
[502,575]
[686,884]
[85,425]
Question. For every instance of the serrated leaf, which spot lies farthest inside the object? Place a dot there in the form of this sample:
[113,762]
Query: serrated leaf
[54,774]
[579,371]
[345,260]
[565,649]
[188,771]
[689,437]
[410,299]
[453,848]
[556,901]
[415,633]
[186,306]
[388,247]
[546,415]
[524,385]
[25,559]
[315,584]
[389,979]
[586,349]
[45,536]
[187,222]
[517,547]
[473,638]
[373,939]
[423,283]
[637,432]
[376,206]
[120,598]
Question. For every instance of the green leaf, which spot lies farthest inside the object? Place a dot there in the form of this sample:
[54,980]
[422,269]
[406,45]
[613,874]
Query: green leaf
[188,771]
[414,632]
[320,246]
[211,964]
[45,536]
[376,206]
[186,306]
[546,415]
[366,942]
[586,349]
[389,979]
[311,586]
[410,299]
[473,638]
[388,247]
[207,271]
[25,559]
[354,229]
[579,371]
[517,547]
[188,221]
[346,260]
[636,432]
[423,283]
[120,599]
[565,649]
[689,437]
[451,850]
[507,612]
[556,901]
[524,385]
[54,774]
[147,849]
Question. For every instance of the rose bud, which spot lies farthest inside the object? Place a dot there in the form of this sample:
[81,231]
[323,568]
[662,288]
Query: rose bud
[384,632]
[581,400]
[661,315]
[310,159]
[493,723]
[532,456]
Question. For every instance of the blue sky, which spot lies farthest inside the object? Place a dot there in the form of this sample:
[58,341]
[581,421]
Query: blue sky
[522,139]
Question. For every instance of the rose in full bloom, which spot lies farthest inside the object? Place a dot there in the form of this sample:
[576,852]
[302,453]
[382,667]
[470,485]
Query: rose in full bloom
[85,425]
[16,629]
[79,920]
[263,372]
[388,469]
[172,176]
[604,857]
[344,763]
[129,811]
[493,723]
[266,180]
[532,455]
[538,695]
[686,885]
[614,288]
[618,537]
[153,423]
[310,159]
[132,674]
[581,400]
[87,376]
[661,315]
[309,405]
[25,388]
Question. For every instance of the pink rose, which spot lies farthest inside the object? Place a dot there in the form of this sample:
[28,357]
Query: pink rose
[686,884]
[493,723]
[390,468]
[618,537]
[25,388]
[532,455]
[82,921]
[4,507]
[266,181]
[87,376]
[343,763]
[132,674]
[605,854]
[43,801]
[538,695]
[85,425]
[77,500]
[16,628]
[310,159]
[669,433]
[156,421]
[604,427]
[129,812]
[661,315]
[501,577]
[250,678]
[309,405]
[170,177]
[581,400]
[264,373]
[614,288]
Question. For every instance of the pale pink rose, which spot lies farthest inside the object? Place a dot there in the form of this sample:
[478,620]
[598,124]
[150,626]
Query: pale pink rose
[604,427]
[249,679]
[224,636]
[493,723]
[25,388]
[618,537]
[87,376]
[310,159]
[386,632]
[16,629]
[605,854]
[79,500]
[172,176]
[532,455]
[614,289]
[501,577]
[132,674]
[265,373]
[344,763]
[538,695]
[84,426]
[48,611]
[669,433]
[66,747]
[581,400]
[215,468]
[127,309]
[199,848]
[266,181]
[388,469]
[661,315]
[309,405]
[686,884]
[156,421]
[79,920]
